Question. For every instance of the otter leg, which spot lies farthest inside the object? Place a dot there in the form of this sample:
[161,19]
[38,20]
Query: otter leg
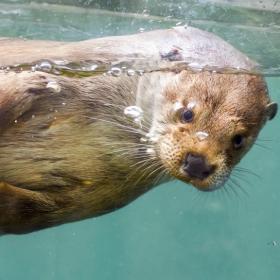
[24,210]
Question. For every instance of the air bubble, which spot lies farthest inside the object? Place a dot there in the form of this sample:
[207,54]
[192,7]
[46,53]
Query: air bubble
[54,86]
[45,66]
[201,135]
[115,71]
[143,140]
[154,139]
[273,243]
[140,72]
[133,112]
[93,67]
[130,72]
[60,62]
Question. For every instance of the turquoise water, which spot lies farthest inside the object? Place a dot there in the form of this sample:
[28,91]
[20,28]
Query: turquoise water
[172,232]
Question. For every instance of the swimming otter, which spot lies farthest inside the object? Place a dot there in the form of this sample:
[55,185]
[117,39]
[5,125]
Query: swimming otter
[73,148]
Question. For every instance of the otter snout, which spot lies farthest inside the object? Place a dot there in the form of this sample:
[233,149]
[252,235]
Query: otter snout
[197,167]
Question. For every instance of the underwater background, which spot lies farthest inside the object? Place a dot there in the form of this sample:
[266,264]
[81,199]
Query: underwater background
[173,231]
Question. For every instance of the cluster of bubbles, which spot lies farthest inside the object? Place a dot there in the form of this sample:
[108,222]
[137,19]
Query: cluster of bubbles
[135,113]
[117,71]
[62,67]
[58,67]
[44,66]
[5,69]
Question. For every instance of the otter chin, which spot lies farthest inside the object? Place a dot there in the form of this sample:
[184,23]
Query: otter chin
[74,147]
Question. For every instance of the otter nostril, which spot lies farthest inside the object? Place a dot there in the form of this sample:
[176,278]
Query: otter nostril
[206,173]
[197,167]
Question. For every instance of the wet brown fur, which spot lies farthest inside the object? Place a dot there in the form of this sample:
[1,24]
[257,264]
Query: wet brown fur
[65,156]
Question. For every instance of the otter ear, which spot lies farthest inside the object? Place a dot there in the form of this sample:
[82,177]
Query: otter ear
[271,110]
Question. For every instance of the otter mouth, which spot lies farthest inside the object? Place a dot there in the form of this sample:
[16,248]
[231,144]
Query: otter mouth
[195,169]
[206,177]
[209,184]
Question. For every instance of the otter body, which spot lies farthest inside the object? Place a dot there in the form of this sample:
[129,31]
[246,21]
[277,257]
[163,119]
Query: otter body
[73,148]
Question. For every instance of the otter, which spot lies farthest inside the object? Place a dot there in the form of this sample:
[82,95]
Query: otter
[76,147]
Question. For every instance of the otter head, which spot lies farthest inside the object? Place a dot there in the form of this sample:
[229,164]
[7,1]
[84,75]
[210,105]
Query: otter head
[208,122]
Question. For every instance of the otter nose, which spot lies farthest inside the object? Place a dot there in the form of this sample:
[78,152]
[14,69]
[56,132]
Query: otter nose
[197,167]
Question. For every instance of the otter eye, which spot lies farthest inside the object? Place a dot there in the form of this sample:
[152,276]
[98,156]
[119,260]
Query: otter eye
[238,141]
[187,115]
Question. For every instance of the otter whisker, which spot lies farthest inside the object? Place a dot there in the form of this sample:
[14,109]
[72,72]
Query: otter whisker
[224,191]
[199,197]
[152,166]
[220,194]
[247,171]
[124,143]
[155,170]
[129,152]
[141,148]
[135,146]
[133,150]
[132,155]
[235,183]
[241,177]
[144,122]
[141,164]
[157,178]
[233,190]
[126,128]
[262,146]
[109,105]
[155,165]
[160,177]
[264,140]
